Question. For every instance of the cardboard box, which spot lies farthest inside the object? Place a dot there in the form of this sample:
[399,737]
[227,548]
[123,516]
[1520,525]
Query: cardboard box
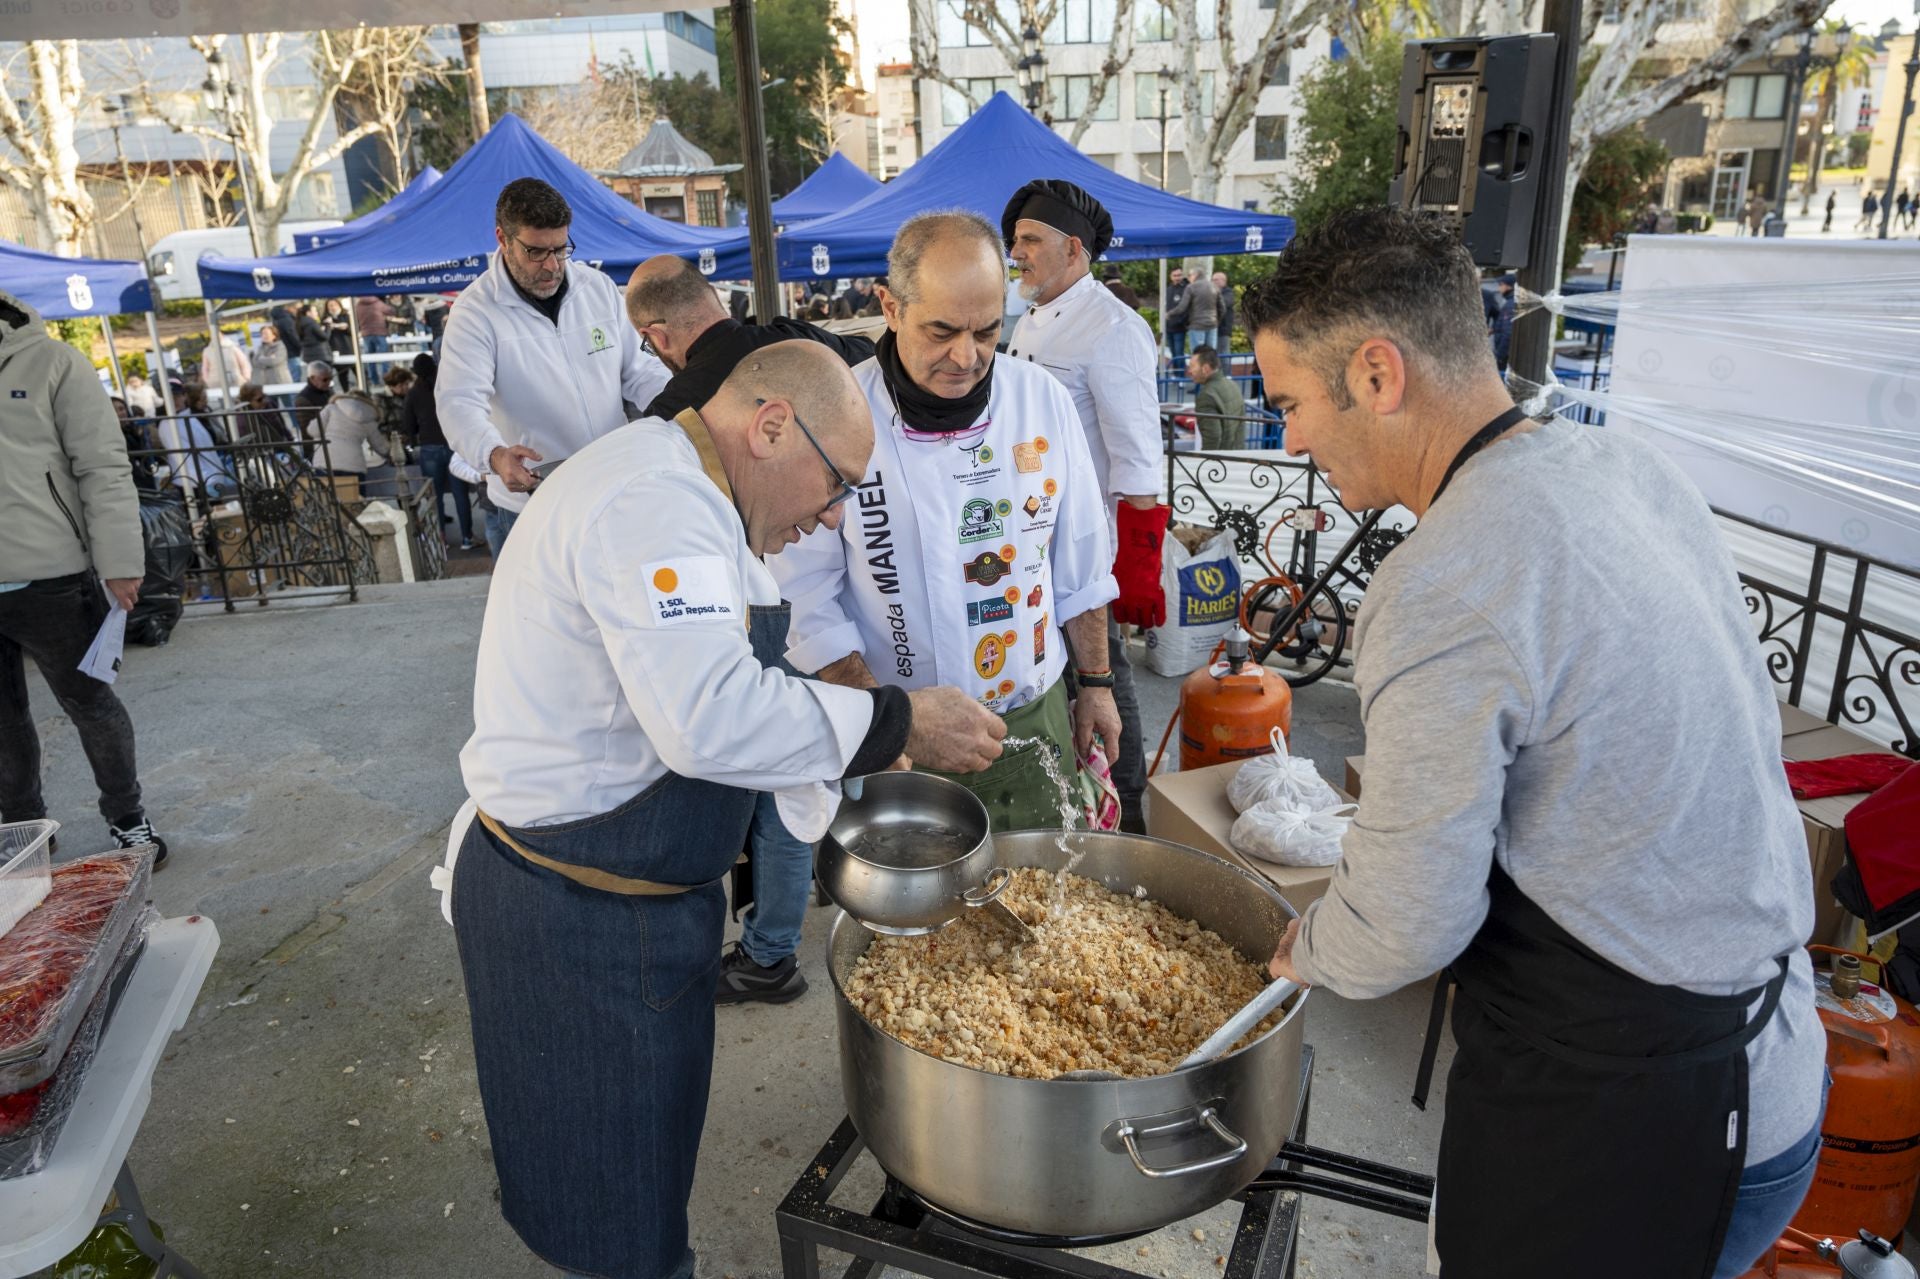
[1192,808]
[1803,735]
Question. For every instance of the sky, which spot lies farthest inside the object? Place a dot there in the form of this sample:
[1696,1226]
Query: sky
[883,25]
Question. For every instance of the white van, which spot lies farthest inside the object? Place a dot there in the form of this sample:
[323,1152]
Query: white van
[175,258]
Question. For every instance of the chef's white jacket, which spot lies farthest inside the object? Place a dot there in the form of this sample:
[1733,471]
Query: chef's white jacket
[615,647]
[509,375]
[963,554]
[1105,355]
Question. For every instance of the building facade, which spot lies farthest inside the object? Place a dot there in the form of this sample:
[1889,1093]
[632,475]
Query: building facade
[1139,116]
[898,140]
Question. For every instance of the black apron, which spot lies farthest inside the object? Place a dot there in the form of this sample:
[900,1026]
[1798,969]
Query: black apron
[1585,1105]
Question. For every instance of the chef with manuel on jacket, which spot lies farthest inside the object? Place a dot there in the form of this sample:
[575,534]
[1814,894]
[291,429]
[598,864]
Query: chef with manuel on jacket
[538,359]
[627,706]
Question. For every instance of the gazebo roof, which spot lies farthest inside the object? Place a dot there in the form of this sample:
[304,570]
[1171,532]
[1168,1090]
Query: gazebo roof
[665,153]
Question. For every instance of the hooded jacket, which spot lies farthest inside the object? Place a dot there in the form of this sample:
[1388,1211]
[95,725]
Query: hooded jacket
[60,445]
[351,425]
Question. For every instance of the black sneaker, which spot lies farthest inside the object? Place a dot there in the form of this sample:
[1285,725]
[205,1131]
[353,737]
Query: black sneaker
[743,981]
[134,830]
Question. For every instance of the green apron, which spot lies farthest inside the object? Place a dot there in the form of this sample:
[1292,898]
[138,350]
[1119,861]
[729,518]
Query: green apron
[1015,788]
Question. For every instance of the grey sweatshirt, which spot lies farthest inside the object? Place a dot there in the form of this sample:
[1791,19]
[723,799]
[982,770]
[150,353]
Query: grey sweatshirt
[1555,671]
[56,422]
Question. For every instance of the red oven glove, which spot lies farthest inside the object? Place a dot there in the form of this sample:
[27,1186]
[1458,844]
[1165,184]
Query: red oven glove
[1143,601]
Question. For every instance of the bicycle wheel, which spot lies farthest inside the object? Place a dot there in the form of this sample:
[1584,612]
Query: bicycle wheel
[1313,646]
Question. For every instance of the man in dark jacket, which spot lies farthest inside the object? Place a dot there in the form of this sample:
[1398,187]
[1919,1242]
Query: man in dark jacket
[1119,287]
[314,395]
[683,321]
[420,424]
[1224,292]
[1174,322]
[308,335]
[282,318]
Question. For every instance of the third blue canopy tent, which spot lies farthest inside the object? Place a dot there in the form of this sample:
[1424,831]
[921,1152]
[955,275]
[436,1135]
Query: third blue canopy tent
[828,189]
[981,164]
[442,241]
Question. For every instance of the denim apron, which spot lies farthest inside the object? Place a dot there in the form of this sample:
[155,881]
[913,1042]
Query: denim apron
[592,1011]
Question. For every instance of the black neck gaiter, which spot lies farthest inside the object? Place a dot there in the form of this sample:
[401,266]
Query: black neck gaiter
[922,410]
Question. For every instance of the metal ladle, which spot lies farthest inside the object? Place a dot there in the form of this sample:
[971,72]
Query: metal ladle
[1251,1014]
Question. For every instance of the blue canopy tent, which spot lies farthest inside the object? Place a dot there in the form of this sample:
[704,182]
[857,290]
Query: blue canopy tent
[442,241]
[402,200]
[981,164]
[63,288]
[828,189]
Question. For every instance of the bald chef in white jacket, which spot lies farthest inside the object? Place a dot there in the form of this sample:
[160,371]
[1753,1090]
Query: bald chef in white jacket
[979,529]
[626,707]
[538,359]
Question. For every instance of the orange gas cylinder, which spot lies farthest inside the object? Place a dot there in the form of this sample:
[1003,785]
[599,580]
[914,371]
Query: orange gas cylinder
[1870,1139]
[1228,710]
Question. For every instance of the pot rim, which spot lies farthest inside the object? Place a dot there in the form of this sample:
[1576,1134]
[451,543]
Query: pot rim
[1299,1001]
[984,842]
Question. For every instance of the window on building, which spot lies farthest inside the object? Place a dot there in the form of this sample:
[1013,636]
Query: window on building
[1270,137]
[1152,20]
[1756,97]
[708,205]
[693,31]
[1282,70]
[1070,94]
[1146,96]
[956,33]
[954,108]
[1080,22]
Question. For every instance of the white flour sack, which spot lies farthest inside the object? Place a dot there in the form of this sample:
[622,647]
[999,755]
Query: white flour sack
[1203,602]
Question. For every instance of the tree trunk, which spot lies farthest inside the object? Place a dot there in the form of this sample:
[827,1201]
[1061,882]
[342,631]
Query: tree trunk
[47,167]
[476,81]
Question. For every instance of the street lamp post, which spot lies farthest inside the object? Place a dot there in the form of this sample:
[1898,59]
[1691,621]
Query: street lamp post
[220,95]
[1031,70]
[1900,134]
[1797,65]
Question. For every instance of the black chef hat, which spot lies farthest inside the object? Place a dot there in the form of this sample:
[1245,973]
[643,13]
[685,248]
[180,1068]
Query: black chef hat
[1063,206]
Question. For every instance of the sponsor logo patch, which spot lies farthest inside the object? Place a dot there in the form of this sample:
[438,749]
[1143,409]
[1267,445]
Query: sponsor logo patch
[987,612]
[695,588]
[989,656]
[987,568]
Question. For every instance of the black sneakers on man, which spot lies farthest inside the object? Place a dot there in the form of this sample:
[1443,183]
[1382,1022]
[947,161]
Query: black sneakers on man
[134,830]
[743,981]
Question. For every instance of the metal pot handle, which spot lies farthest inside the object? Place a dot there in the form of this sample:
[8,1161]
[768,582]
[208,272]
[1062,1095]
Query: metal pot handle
[997,880]
[1209,1118]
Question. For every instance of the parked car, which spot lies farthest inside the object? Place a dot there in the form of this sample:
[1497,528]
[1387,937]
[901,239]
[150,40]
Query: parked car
[174,259]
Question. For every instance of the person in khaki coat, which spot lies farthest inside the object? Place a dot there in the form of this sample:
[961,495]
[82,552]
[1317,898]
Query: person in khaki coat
[70,550]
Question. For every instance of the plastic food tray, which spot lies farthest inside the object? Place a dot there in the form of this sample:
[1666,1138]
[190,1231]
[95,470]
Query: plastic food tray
[57,958]
[30,1121]
[26,871]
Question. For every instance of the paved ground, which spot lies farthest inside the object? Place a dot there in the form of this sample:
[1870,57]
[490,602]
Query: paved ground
[318,1115]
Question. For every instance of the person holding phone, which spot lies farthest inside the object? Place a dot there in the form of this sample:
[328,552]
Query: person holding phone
[538,359]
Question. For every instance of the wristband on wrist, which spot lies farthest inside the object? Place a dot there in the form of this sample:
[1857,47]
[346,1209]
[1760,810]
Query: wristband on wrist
[1094,679]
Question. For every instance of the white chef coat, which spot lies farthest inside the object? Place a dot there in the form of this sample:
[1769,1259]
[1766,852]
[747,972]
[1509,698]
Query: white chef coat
[509,375]
[1105,355]
[615,647]
[963,554]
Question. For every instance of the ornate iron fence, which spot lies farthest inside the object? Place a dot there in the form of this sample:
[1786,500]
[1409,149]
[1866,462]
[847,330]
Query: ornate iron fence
[266,519]
[1820,642]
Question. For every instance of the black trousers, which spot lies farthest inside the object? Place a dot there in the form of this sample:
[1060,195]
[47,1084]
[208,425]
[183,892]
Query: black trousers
[53,621]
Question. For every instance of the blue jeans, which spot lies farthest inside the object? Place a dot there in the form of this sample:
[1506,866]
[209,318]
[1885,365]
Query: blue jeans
[436,461]
[499,524]
[1177,345]
[782,880]
[1197,338]
[1770,1193]
[374,343]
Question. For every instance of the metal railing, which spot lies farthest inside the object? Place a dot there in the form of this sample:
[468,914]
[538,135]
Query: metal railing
[1820,643]
[267,516]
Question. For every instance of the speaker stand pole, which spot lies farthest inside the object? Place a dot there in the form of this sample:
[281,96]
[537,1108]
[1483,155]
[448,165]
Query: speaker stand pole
[1532,352]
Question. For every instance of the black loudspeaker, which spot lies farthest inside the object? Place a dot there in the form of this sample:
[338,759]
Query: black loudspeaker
[1473,138]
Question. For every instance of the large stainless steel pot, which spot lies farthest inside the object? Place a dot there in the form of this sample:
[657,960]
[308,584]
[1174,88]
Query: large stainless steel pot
[1065,1157]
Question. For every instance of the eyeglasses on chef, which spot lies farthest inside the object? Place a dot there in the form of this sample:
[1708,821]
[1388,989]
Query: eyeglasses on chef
[536,253]
[846,486]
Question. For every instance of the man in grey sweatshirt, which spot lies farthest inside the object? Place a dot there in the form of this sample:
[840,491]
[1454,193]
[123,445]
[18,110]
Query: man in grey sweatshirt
[1588,826]
[68,513]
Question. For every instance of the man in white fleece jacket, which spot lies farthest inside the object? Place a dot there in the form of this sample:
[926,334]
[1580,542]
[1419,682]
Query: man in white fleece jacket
[71,513]
[538,360]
